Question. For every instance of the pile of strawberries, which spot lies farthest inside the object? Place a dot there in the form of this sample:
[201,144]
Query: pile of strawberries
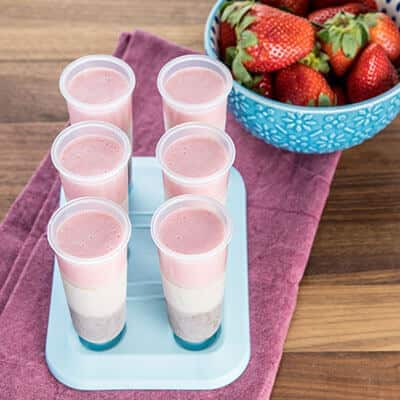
[310,52]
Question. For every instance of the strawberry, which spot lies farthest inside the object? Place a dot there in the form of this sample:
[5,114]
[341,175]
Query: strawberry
[321,16]
[372,74]
[303,86]
[340,94]
[268,39]
[227,38]
[263,85]
[299,7]
[342,37]
[386,33]
[318,4]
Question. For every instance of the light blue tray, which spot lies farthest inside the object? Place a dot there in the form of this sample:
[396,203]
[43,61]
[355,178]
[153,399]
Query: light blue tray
[148,357]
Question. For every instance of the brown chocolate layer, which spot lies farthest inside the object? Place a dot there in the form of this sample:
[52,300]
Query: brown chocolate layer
[197,327]
[99,329]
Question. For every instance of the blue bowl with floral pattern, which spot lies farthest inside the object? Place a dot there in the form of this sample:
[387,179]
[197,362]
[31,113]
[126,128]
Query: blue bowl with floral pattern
[308,129]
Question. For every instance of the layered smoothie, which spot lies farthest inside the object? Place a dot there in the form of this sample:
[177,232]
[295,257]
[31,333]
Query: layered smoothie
[99,88]
[196,159]
[192,240]
[92,159]
[194,88]
[91,247]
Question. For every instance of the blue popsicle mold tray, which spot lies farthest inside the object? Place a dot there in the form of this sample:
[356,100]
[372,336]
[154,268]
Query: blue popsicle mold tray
[148,357]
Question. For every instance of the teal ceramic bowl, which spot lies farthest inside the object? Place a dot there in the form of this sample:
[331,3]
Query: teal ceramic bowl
[308,129]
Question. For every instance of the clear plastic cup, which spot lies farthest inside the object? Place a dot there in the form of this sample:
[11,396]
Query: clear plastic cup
[176,112]
[214,185]
[112,185]
[193,283]
[117,112]
[95,288]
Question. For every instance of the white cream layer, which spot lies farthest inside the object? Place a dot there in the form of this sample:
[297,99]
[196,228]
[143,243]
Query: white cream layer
[194,300]
[100,301]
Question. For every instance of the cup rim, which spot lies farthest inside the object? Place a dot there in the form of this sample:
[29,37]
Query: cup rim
[89,200]
[200,106]
[90,179]
[183,199]
[96,57]
[216,132]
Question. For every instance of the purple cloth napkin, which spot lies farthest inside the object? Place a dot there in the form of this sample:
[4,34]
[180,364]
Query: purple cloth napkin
[286,196]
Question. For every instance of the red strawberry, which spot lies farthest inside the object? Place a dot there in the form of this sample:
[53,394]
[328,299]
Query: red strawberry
[321,16]
[371,75]
[342,37]
[340,95]
[386,33]
[303,86]
[318,4]
[396,63]
[227,38]
[299,7]
[268,39]
[263,85]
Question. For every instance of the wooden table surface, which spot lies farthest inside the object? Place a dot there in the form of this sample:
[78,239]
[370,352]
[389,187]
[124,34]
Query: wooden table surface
[344,341]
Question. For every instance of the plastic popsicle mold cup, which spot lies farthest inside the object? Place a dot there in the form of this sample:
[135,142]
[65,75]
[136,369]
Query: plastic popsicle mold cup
[111,185]
[214,185]
[117,111]
[193,283]
[95,287]
[212,112]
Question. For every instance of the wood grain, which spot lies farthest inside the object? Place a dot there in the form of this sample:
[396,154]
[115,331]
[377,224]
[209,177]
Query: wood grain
[344,341]
[338,376]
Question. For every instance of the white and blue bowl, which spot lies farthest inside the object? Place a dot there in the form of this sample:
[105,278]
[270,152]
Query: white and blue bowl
[308,129]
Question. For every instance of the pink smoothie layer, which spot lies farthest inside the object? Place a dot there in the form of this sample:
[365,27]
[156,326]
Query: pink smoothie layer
[192,231]
[98,86]
[90,234]
[195,85]
[91,155]
[195,156]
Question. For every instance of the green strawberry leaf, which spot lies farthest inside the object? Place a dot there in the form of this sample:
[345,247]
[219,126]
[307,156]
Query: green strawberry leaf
[336,42]
[227,11]
[246,22]
[370,19]
[224,6]
[240,72]
[364,32]
[237,16]
[257,79]
[349,45]
[317,60]
[323,34]
[359,38]
[311,103]
[347,32]
[230,54]
[247,39]
[324,100]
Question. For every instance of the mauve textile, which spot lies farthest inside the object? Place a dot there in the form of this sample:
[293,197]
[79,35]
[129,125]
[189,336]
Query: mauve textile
[286,196]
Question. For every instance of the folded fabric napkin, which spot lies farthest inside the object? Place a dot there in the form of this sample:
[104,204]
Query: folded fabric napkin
[286,196]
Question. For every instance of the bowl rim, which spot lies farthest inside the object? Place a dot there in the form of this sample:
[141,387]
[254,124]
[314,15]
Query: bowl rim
[265,101]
